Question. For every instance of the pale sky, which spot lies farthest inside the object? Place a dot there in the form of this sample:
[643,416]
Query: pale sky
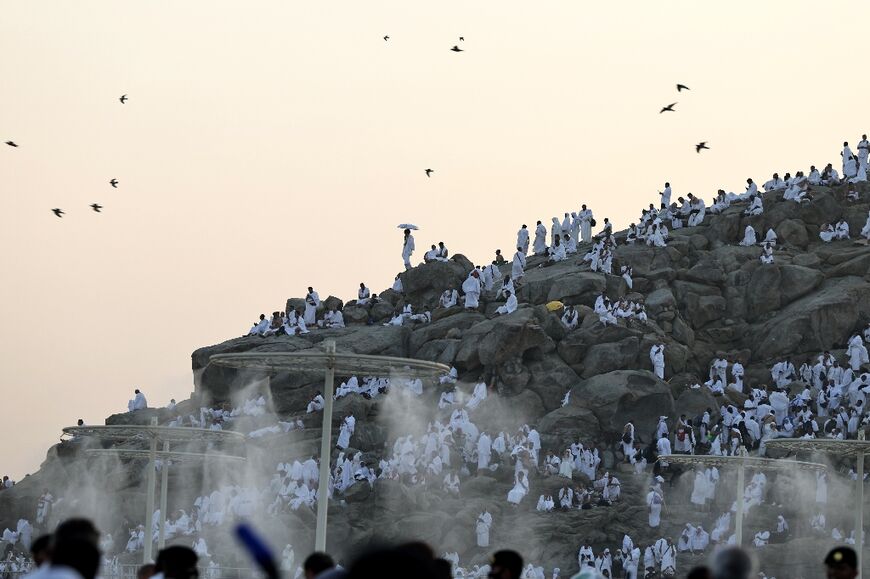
[272,145]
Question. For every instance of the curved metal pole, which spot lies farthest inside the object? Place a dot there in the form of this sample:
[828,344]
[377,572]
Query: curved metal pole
[149,499]
[325,453]
[859,514]
[164,482]
[738,529]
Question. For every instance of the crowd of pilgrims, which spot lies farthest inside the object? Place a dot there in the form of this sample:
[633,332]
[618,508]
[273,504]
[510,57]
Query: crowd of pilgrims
[829,401]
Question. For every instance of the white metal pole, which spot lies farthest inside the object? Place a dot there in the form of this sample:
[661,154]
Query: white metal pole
[325,451]
[164,482]
[738,529]
[859,515]
[149,497]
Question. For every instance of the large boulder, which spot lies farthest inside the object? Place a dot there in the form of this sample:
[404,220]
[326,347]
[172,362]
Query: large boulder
[423,285]
[603,358]
[498,340]
[814,323]
[617,397]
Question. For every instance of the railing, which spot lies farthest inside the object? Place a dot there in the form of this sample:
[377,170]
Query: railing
[205,572]
[129,572]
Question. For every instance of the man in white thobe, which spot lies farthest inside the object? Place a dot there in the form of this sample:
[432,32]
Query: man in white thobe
[523,239]
[510,306]
[585,217]
[471,287]
[666,195]
[540,246]
[312,302]
[138,402]
[519,263]
[657,357]
[407,248]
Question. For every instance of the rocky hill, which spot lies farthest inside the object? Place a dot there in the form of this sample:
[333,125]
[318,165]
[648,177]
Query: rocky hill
[705,297]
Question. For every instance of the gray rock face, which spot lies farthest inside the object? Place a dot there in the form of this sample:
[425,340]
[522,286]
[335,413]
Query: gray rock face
[617,397]
[705,296]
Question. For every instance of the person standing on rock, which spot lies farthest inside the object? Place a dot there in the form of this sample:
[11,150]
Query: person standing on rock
[484,522]
[523,239]
[519,264]
[471,287]
[407,248]
[347,429]
[666,195]
[628,440]
[846,154]
[555,231]
[540,246]
[312,302]
[657,357]
[585,217]
[655,501]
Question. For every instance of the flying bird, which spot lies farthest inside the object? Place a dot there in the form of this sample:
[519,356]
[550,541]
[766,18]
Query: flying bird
[96,207]
[681,87]
[12,143]
[461,39]
[58,212]
[456,49]
[701,145]
[386,38]
[429,172]
[123,99]
[114,183]
[669,108]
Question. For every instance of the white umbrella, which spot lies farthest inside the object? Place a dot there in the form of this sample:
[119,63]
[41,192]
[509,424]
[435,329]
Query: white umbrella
[407,226]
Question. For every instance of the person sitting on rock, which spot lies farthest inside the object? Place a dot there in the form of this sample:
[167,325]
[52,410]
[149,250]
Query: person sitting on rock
[830,177]
[841,230]
[827,233]
[756,206]
[570,319]
[363,295]
[138,402]
[766,256]
[261,326]
[510,306]
[332,319]
[430,255]
[448,298]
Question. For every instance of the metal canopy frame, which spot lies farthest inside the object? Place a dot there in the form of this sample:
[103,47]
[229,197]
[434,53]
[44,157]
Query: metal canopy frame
[856,449]
[340,363]
[152,434]
[741,462]
[329,362]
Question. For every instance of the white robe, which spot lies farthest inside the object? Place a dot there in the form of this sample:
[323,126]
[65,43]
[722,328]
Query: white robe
[471,287]
[540,245]
[748,236]
[407,250]
[509,307]
[518,265]
[312,301]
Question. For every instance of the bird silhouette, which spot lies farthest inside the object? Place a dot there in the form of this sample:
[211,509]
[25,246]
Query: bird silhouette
[386,38]
[669,108]
[701,145]
[96,207]
[114,183]
[429,172]
[12,143]
[123,99]
[681,87]
[461,39]
[456,49]
[58,212]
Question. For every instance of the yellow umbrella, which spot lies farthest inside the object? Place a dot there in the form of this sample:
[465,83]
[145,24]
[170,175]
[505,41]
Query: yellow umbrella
[555,306]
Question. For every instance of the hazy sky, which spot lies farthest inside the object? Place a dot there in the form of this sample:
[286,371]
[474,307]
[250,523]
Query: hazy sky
[272,145]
